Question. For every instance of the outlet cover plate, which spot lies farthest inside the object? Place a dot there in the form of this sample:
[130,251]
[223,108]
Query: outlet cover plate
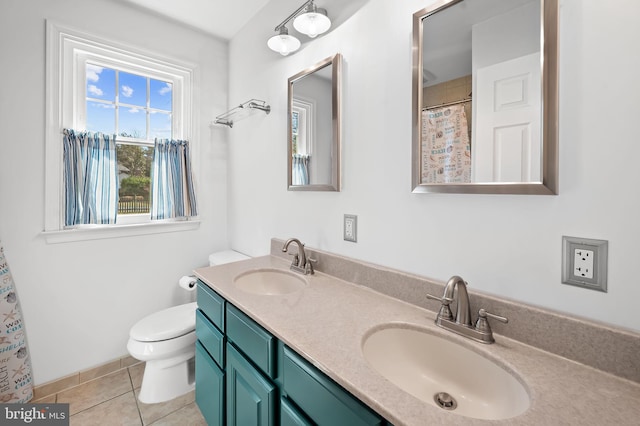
[351,228]
[580,254]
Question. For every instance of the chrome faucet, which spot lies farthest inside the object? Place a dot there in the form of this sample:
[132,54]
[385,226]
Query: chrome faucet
[481,332]
[301,263]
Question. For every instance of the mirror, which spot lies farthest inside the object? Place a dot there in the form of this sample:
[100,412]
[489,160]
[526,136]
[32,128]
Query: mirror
[485,97]
[314,123]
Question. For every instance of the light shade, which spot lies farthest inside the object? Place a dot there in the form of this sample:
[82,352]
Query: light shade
[313,22]
[283,43]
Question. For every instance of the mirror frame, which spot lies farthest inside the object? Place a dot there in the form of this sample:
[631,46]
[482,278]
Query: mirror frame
[336,119]
[549,115]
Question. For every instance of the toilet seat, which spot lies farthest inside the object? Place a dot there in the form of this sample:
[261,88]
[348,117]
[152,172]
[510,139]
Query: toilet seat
[166,324]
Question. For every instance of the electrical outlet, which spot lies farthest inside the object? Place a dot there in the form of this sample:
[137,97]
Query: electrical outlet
[584,263]
[351,228]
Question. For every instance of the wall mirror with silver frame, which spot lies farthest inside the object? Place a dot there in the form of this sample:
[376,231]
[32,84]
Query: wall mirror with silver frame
[314,127]
[485,97]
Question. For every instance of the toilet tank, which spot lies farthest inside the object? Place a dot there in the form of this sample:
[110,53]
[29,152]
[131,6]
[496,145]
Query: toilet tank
[226,256]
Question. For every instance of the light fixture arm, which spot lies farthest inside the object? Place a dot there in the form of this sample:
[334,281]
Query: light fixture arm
[294,14]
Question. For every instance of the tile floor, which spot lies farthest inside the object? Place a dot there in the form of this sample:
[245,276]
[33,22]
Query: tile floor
[112,400]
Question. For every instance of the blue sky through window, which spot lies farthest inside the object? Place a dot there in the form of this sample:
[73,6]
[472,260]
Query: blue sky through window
[142,103]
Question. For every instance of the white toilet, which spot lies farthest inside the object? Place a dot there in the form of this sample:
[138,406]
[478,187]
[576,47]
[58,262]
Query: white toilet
[165,340]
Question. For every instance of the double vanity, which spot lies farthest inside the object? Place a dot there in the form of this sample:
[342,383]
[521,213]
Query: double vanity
[282,347]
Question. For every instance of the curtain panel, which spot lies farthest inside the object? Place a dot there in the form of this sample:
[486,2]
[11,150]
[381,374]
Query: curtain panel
[300,172]
[90,178]
[173,192]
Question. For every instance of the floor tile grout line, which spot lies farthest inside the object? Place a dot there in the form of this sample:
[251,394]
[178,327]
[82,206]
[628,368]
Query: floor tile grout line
[168,414]
[135,397]
[103,402]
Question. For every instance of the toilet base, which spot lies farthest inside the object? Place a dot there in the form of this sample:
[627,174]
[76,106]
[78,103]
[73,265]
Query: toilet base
[167,379]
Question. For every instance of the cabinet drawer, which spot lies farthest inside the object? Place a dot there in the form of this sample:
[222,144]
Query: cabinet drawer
[210,337]
[255,342]
[322,400]
[209,388]
[211,304]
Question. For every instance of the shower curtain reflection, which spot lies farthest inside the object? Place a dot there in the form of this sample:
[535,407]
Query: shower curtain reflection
[446,151]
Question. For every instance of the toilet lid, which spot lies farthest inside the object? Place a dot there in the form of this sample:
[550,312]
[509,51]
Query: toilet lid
[166,324]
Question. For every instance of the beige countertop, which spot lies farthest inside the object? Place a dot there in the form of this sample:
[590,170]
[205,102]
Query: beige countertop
[327,321]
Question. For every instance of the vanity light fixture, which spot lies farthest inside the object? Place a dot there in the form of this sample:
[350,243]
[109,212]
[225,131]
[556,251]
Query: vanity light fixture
[313,22]
[308,19]
[283,43]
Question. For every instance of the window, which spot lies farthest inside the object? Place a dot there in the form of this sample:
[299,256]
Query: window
[101,86]
[302,114]
[138,109]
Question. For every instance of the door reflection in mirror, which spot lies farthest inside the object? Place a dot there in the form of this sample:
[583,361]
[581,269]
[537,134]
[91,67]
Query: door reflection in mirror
[485,96]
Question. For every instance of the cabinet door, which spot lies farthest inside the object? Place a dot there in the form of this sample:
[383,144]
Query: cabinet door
[209,387]
[291,416]
[251,398]
[321,399]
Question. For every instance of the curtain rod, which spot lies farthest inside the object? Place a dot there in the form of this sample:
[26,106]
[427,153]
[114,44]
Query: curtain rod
[447,104]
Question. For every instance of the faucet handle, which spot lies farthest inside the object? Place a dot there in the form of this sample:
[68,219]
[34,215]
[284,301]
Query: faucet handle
[443,300]
[482,313]
[308,268]
[296,258]
[482,324]
[445,310]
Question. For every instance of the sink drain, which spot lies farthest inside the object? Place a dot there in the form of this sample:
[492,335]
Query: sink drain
[445,401]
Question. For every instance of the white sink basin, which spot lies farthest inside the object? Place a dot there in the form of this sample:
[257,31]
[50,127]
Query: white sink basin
[426,365]
[269,281]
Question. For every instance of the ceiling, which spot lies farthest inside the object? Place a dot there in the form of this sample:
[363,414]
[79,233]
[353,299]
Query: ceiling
[221,18]
[225,18]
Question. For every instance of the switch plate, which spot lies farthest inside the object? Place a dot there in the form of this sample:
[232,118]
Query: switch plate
[351,228]
[584,263]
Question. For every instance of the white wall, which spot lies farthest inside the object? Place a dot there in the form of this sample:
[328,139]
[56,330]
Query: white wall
[80,299]
[502,244]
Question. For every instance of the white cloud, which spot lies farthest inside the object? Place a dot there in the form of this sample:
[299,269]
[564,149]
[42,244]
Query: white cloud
[166,89]
[134,110]
[93,73]
[94,90]
[127,91]
[101,105]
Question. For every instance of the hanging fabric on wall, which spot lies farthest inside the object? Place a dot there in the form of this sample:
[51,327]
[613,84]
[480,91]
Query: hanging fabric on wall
[300,170]
[90,178]
[446,151]
[173,193]
[16,383]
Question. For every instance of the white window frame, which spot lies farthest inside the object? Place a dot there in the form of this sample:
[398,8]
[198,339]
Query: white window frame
[68,50]
[306,122]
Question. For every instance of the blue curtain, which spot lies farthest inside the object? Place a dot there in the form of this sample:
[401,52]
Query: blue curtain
[90,177]
[300,172]
[173,194]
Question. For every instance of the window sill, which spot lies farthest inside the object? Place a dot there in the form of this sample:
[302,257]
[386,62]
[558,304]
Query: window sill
[99,232]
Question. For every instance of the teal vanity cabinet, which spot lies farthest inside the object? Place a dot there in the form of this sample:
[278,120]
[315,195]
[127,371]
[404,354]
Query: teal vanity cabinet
[246,377]
[210,356]
[251,393]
